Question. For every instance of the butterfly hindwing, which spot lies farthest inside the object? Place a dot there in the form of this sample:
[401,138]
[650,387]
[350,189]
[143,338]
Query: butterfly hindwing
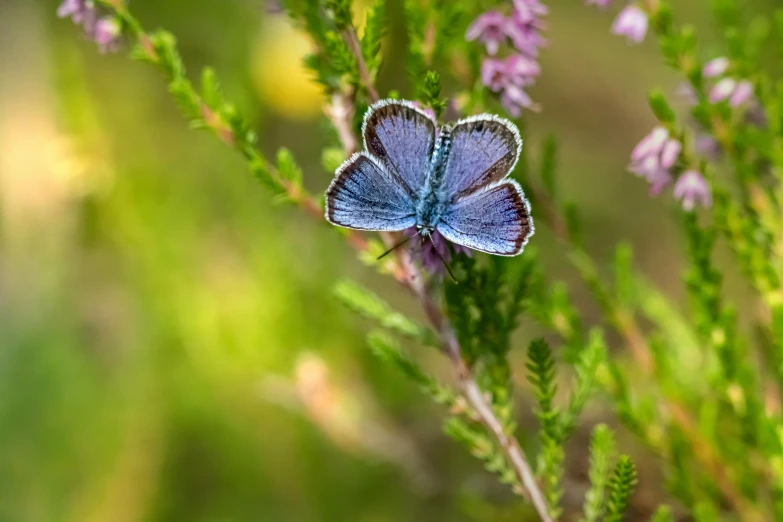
[401,137]
[366,196]
[495,220]
[484,150]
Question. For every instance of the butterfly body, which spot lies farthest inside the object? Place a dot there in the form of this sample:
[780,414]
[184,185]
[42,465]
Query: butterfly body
[448,180]
[431,199]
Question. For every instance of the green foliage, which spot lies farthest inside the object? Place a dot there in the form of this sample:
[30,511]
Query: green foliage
[592,357]
[387,350]
[620,488]
[602,453]
[366,303]
[483,448]
[430,90]
[660,107]
[662,514]
[374,31]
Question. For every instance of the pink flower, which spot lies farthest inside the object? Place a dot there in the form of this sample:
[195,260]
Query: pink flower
[525,32]
[76,10]
[104,31]
[722,90]
[508,77]
[631,23]
[654,157]
[106,34]
[715,67]
[742,93]
[527,11]
[650,145]
[670,153]
[691,187]
[737,92]
[490,29]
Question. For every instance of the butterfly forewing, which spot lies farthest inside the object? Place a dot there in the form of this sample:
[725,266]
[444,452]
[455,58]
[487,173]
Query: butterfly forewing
[484,150]
[366,196]
[495,220]
[401,137]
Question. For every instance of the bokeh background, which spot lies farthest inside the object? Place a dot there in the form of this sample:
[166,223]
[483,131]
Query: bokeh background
[169,346]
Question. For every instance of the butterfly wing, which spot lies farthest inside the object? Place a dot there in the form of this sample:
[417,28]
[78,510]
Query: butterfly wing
[401,137]
[495,220]
[484,150]
[366,196]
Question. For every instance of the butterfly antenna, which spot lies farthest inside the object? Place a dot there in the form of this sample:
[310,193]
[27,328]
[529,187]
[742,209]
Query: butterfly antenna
[435,247]
[395,247]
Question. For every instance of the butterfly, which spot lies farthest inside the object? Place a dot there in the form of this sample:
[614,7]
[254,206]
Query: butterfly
[450,179]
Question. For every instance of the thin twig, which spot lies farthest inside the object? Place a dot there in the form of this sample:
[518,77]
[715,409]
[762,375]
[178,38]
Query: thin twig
[449,342]
[352,40]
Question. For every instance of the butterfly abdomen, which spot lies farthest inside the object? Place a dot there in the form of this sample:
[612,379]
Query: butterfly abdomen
[430,202]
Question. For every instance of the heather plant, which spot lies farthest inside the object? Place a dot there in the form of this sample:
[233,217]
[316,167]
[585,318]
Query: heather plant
[698,383]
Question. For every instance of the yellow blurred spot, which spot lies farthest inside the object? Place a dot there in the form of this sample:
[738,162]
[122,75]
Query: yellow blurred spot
[280,77]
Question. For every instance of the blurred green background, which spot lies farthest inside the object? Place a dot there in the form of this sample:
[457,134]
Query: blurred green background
[169,346]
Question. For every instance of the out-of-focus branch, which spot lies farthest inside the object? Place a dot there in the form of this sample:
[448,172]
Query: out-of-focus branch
[626,325]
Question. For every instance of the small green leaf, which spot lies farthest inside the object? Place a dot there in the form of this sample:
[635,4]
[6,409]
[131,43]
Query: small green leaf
[660,107]
[602,450]
[368,304]
[386,348]
[210,89]
[332,158]
[430,89]
[620,488]
[374,31]
[287,167]
[662,514]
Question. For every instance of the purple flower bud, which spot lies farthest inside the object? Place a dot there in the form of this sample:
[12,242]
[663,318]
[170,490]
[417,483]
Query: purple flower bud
[427,110]
[493,73]
[525,34]
[691,187]
[427,250]
[107,32]
[489,28]
[742,93]
[707,146]
[631,23]
[522,69]
[650,144]
[670,153]
[715,67]
[722,90]
[77,10]
[514,99]
[686,93]
[658,181]
[527,11]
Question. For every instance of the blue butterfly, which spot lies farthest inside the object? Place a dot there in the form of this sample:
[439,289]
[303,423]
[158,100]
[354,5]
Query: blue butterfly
[450,179]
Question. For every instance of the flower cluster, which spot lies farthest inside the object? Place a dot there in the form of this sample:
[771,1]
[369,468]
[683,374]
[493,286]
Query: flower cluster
[737,92]
[510,75]
[655,156]
[104,31]
[631,22]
